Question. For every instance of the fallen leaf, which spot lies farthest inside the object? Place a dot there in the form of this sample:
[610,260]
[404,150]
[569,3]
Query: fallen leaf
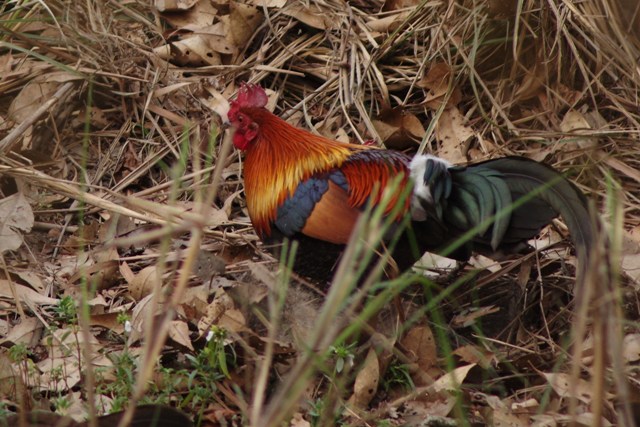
[16,215]
[25,294]
[201,15]
[631,348]
[398,128]
[174,5]
[469,318]
[561,384]
[420,347]
[399,4]
[269,3]
[244,20]
[453,134]
[451,381]
[312,16]
[576,124]
[473,354]
[367,380]
[437,82]
[179,332]
[27,332]
[144,283]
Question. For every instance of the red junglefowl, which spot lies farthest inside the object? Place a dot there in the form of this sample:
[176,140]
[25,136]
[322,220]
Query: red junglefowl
[313,189]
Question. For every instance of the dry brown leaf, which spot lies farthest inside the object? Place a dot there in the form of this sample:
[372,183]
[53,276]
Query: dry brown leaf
[453,134]
[218,307]
[207,266]
[451,381]
[473,354]
[399,4]
[144,282]
[174,5]
[367,380]
[244,20]
[469,318]
[420,347]
[35,93]
[108,321]
[52,380]
[33,279]
[388,23]
[631,348]
[312,16]
[269,3]
[201,15]
[561,384]
[398,128]
[574,122]
[233,320]
[298,421]
[25,294]
[437,80]
[139,316]
[197,50]
[415,412]
[27,332]
[16,215]
[179,332]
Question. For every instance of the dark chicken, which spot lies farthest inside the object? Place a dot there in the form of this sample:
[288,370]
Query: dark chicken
[313,189]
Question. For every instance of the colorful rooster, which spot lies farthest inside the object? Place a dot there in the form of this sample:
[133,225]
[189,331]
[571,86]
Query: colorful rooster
[312,189]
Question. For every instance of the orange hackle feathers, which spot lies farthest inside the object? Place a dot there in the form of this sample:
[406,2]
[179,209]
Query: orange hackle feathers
[280,159]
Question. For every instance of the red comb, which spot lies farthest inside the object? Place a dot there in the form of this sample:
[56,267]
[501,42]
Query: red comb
[251,95]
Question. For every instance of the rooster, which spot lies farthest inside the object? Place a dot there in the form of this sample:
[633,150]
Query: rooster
[312,189]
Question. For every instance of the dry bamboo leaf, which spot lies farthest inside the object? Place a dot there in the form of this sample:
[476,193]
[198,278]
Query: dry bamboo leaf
[420,347]
[174,5]
[451,381]
[453,135]
[179,332]
[367,380]
[16,215]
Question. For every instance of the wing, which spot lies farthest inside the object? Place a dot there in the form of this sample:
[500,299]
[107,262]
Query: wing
[327,206]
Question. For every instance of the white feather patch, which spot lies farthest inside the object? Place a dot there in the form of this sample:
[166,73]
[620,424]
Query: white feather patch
[421,192]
